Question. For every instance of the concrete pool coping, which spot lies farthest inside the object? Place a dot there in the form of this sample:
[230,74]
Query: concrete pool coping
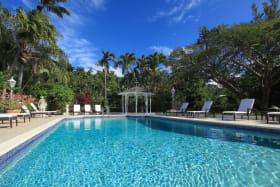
[10,147]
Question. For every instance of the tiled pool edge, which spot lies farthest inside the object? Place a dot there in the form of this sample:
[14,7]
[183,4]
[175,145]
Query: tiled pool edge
[8,156]
[225,124]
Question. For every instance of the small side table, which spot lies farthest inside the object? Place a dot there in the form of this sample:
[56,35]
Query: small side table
[272,114]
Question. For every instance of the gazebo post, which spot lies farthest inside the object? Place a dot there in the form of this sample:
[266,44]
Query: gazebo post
[136,103]
[146,103]
[150,103]
[122,105]
[126,100]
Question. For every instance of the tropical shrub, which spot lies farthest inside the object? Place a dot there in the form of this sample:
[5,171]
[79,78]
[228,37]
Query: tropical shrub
[57,96]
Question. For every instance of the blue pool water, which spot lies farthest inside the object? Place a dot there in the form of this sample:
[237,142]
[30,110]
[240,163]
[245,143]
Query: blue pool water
[146,152]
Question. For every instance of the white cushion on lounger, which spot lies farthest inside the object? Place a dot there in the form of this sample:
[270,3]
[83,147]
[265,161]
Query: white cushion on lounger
[87,108]
[273,113]
[8,115]
[245,105]
[77,108]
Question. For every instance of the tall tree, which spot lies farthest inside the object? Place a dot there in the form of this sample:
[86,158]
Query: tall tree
[153,63]
[125,61]
[31,29]
[104,62]
[270,11]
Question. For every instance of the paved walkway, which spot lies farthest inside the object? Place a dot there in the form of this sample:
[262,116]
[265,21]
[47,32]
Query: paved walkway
[7,133]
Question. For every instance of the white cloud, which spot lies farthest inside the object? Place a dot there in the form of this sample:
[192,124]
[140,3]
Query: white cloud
[117,71]
[98,4]
[178,11]
[161,49]
[81,51]
[29,4]
[166,68]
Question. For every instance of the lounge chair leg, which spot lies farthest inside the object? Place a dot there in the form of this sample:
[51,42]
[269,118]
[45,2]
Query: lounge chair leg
[16,121]
[234,117]
[222,116]
[24,119]
[267,117]
[11,123]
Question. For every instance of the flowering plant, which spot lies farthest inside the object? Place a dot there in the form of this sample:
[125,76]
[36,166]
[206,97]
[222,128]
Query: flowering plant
[12,101]
[84,99]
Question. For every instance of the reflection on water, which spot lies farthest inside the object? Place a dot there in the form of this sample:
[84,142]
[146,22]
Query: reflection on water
[205,131]
[77,124]
[87,124]
[97,123]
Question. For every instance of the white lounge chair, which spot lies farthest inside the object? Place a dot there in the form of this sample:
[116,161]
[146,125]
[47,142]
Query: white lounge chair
[46,112]
[88,109]
[204,110]
[33,113]
[98,109]
[10,118]
[245,108]
[182,109]
[77,109]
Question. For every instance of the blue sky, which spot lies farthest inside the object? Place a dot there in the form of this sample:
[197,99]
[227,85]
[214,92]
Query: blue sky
[139,26]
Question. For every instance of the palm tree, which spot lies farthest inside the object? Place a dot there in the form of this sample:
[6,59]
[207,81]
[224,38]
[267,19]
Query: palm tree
[270,11]
[31,28]
[104,62]
[153,62]
[51,6]
[125,61]
[140,70]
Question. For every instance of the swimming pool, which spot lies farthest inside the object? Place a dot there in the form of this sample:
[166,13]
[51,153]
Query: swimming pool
[145,151]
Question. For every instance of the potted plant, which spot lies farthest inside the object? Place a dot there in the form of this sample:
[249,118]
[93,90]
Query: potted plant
[12,103]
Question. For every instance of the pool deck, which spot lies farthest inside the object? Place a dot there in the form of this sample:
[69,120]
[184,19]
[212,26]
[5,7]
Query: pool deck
[10,138]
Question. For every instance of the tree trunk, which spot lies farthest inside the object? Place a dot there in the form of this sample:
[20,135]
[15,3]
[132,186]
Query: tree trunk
[20,75]
[15,60]
[265,98]
[105,87]
[266,90]
[29,79]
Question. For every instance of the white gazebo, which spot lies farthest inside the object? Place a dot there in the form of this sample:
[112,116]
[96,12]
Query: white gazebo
[136,92]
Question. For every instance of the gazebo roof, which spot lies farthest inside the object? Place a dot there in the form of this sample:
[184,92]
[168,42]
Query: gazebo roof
[136,91]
